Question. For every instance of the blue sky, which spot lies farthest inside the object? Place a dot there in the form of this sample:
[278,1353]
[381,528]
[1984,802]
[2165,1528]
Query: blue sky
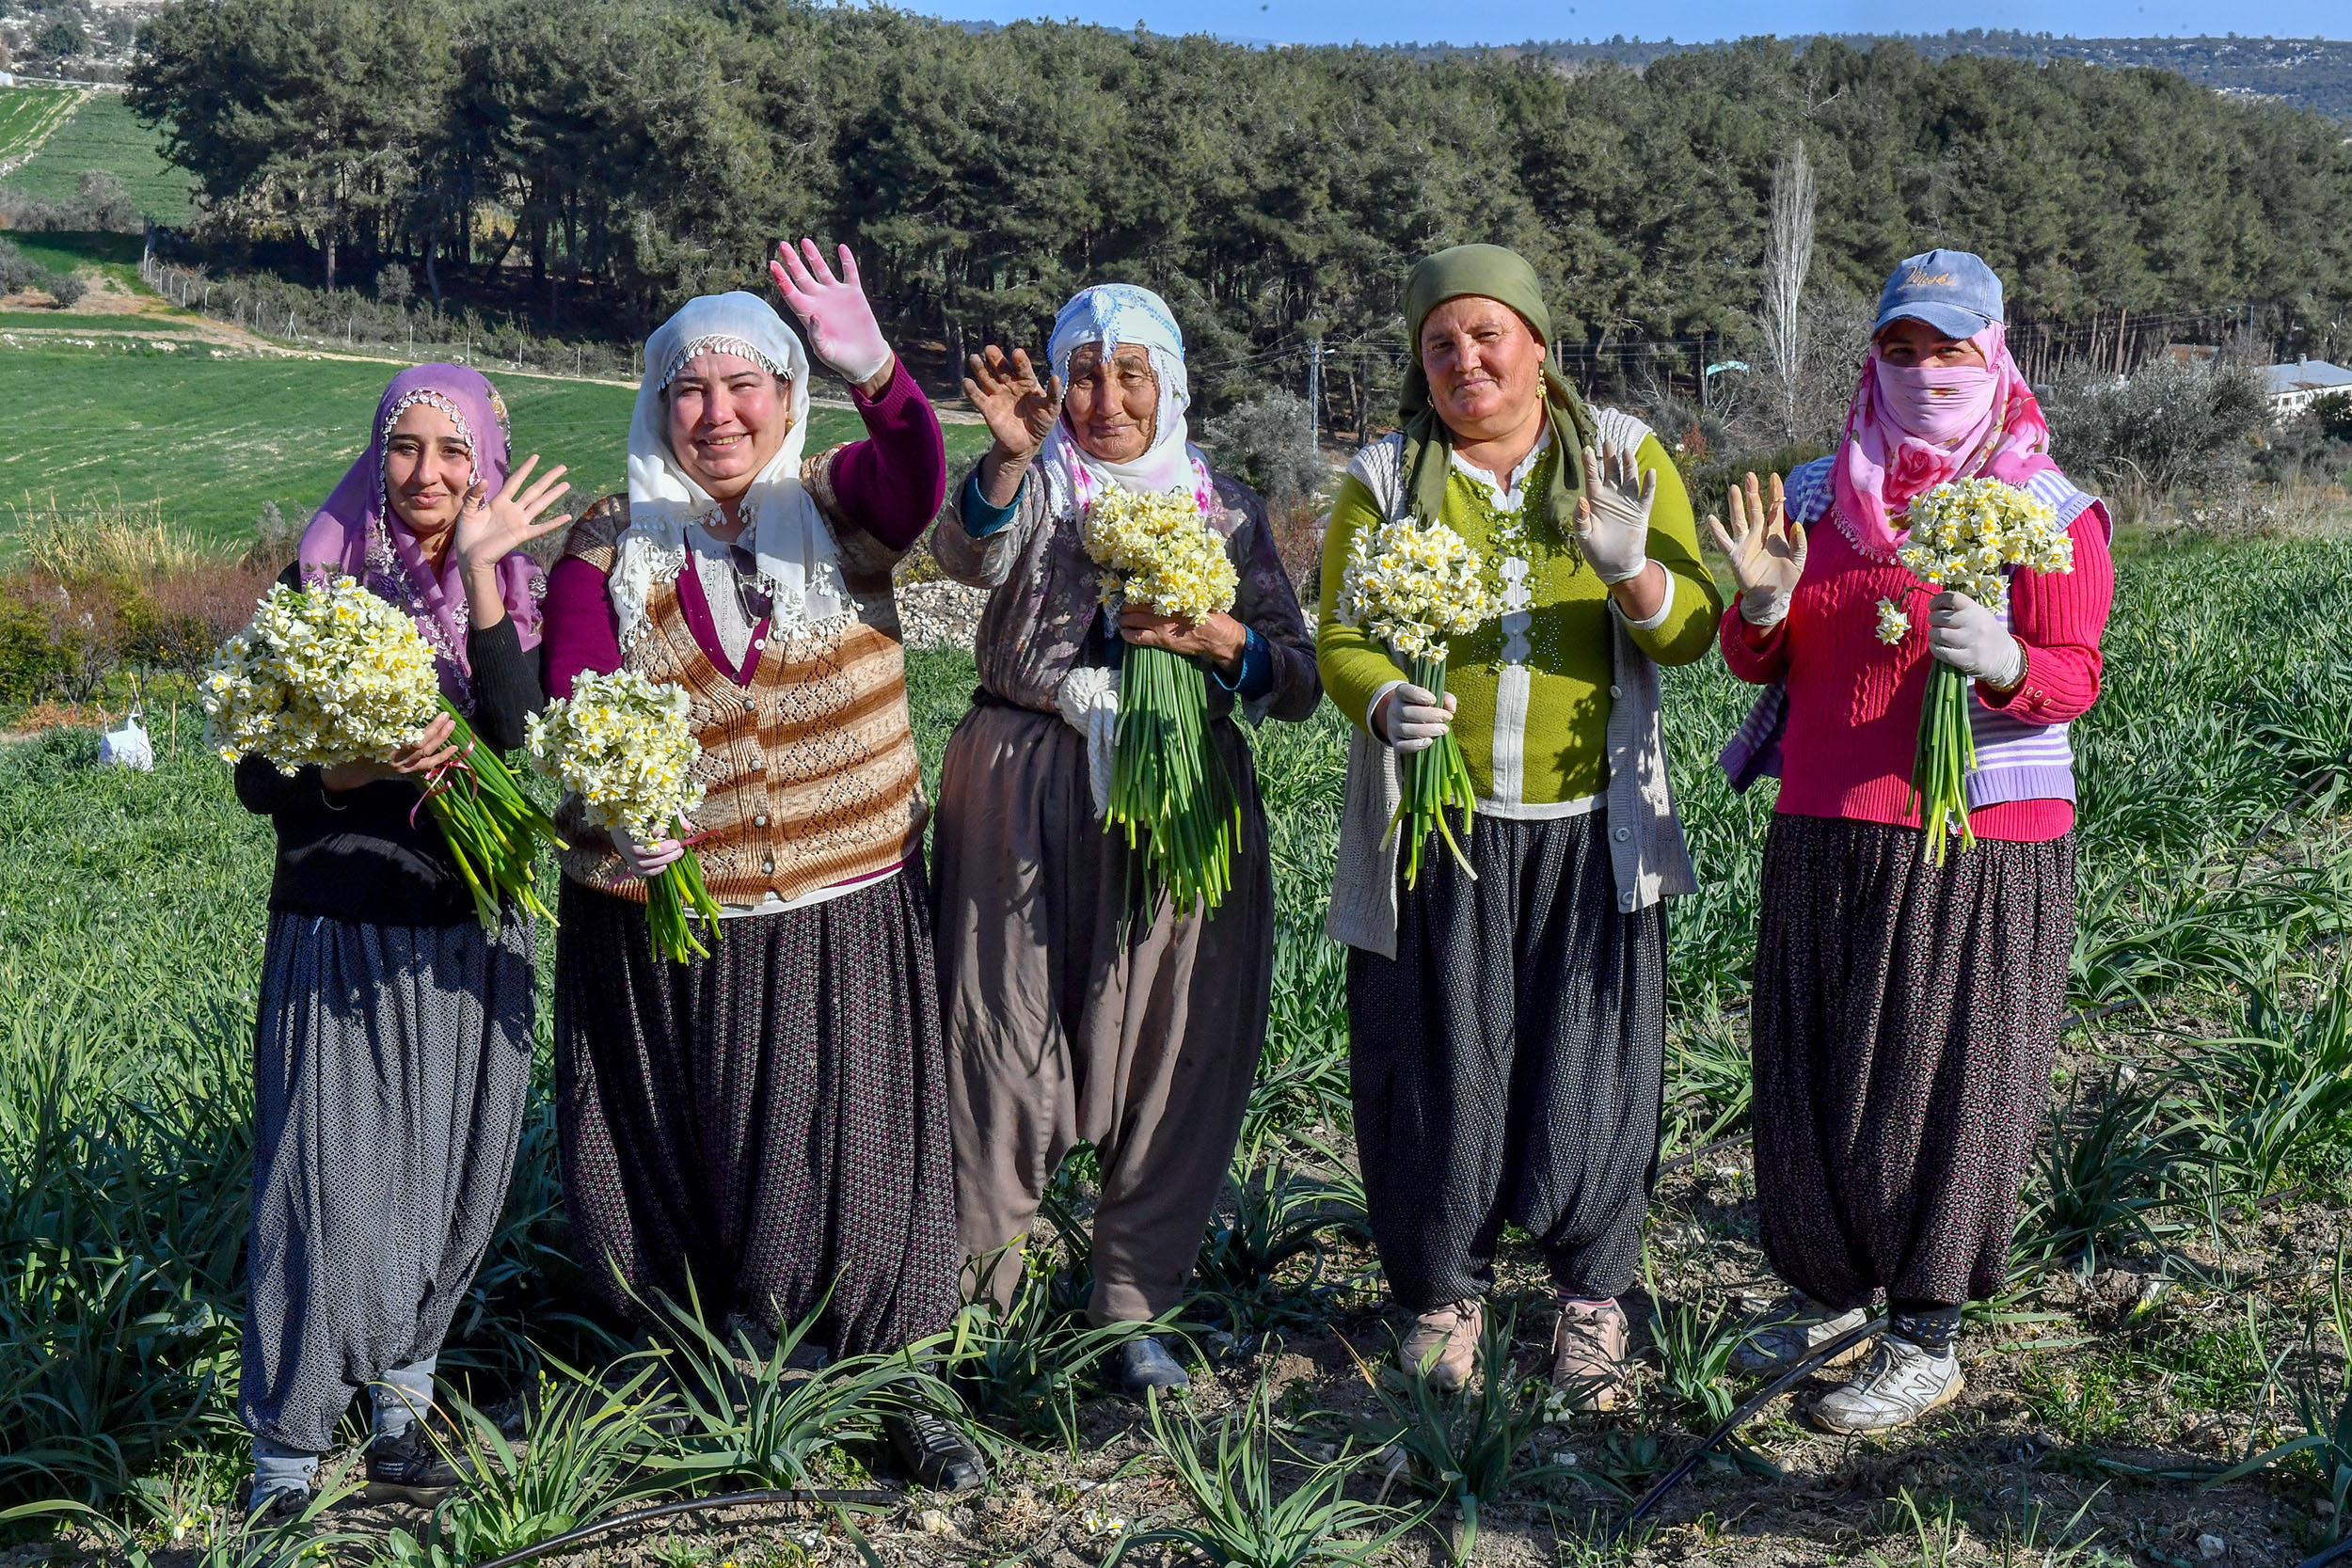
[1408,21]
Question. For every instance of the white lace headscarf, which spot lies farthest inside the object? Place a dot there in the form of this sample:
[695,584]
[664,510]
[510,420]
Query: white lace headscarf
[1107,315]
[799,565]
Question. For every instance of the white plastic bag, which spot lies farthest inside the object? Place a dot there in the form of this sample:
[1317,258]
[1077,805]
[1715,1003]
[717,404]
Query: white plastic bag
[129,745]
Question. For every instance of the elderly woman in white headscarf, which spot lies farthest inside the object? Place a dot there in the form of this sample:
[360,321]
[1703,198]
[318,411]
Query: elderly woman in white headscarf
[1076,1011]
[770,1122]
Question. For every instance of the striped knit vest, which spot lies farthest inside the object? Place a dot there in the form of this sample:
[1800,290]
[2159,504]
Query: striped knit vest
[808,768]
[2015,761]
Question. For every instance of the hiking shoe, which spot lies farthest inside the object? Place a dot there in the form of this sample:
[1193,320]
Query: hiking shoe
[1590,1356]
[1144,1365]
[1442,1346]
[1789,1330]
[409,1468]
[935,1454]
[1899,1384]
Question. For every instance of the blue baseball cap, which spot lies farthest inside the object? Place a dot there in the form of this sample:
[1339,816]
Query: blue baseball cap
[1951,290]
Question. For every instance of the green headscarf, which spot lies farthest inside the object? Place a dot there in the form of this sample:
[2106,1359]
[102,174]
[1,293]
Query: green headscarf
[1494,273]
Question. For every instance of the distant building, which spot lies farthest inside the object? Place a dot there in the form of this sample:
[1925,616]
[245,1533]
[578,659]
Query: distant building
[2296,386]
[2190,353]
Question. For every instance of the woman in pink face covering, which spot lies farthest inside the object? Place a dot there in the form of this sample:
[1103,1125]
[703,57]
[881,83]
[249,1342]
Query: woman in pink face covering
[1905,1014]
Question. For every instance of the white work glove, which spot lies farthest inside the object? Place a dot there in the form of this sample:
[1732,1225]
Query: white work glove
[1409,719]
[1971,639]
[647,861]
[1089,699]
[1612,519]
[1766,552]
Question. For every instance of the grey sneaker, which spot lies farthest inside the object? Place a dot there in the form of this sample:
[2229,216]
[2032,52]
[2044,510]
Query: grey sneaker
[1789,1329]
[1900,1384]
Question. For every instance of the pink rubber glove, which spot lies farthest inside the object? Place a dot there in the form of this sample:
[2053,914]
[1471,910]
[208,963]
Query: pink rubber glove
[841,325]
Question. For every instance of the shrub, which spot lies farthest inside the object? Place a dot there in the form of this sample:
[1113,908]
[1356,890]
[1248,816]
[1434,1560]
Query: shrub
[2332,414]
[2167,427]
[1270,442]
[107,200]
[16,273]
[65,290]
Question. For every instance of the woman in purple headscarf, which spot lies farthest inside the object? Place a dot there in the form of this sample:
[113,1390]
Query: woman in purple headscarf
[392,1053]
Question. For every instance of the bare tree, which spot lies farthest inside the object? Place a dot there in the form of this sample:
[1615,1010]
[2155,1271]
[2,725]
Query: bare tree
[1788,257]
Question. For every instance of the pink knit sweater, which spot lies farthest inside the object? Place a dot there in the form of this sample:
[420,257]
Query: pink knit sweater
[1854,702]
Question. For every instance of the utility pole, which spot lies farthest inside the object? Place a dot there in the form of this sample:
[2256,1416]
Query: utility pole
[1314,389]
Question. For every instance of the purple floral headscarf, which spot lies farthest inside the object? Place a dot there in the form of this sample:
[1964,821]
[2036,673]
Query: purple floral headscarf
[359,534]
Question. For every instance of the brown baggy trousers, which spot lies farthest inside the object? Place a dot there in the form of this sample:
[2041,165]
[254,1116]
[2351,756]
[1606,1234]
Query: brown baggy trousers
[1067,1026]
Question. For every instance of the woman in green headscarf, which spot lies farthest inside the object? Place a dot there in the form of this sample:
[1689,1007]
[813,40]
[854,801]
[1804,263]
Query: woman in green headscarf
[1508,1030]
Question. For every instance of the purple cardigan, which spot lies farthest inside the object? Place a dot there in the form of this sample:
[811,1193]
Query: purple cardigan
[890,484]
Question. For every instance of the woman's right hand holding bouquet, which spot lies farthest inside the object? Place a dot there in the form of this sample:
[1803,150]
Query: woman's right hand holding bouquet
[1766,551]
[1411,719]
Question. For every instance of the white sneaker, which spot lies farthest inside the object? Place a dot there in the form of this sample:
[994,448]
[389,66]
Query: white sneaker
[1789,1330]
[1900,1384]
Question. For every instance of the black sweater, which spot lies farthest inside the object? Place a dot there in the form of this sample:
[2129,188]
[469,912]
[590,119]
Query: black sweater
[354,854]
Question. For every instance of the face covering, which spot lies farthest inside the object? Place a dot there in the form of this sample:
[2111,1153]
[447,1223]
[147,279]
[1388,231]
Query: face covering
[1937,404]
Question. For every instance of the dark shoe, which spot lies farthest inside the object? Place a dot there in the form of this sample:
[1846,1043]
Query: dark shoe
[1145,1364]
[934,1453]
[409,1468]
[275,1510]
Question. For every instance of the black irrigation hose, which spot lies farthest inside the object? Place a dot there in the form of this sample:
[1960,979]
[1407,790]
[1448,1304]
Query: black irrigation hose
[1741,1418]
[686,1505]
[2333,1554]
[2329,1555]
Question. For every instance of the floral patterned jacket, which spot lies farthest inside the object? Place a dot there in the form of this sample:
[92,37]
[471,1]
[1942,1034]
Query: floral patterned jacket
[1045,617]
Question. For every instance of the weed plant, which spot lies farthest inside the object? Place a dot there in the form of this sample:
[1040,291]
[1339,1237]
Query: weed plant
[1265,1262]
[1463,1448]
[1245,1517]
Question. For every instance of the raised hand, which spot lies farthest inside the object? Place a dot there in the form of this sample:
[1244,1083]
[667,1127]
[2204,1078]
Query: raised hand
[1020,411]
[1612,519]
[1766,549]
[842,330]
[491,528]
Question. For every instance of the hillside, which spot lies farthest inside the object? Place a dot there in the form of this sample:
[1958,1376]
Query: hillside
[2309,73]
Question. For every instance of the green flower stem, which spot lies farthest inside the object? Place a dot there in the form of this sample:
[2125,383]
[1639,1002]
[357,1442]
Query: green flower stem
[492,827]
[1945,756]
[1168,791]
[1435,777]
[675,897]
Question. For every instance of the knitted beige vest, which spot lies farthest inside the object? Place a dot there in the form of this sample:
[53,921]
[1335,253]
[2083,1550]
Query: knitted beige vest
[809,771]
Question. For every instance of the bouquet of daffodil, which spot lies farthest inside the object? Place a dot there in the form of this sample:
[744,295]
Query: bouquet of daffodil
[1413,587]
[1966,535]
[1168,787]
[625,746]
[331,675]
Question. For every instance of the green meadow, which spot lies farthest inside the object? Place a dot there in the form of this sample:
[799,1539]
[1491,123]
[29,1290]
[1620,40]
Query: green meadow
[102,132]
[215,438]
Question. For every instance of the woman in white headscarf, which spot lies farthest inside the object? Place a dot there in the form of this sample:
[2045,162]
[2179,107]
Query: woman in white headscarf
[770,1122]
[1072,1015]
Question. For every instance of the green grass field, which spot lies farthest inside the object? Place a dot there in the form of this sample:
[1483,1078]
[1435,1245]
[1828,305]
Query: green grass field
[215,438]
[27,112]
[103,134]
[131,915]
